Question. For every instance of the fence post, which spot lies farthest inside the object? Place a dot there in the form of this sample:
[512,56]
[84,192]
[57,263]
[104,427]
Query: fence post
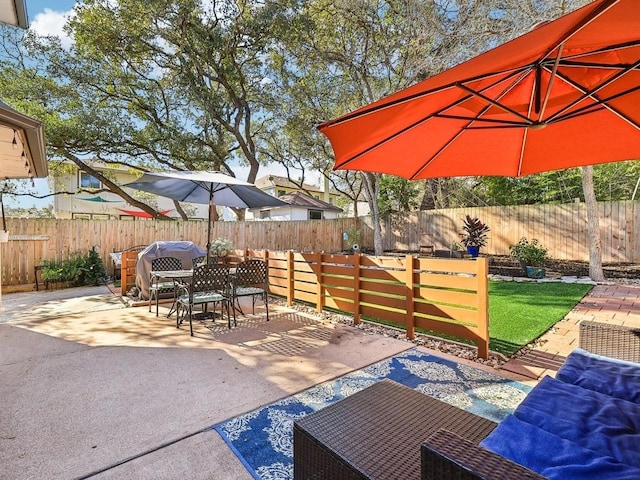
[319,284]
[482,274]
[290,291]
[356,259]
[265,258]
[410,293]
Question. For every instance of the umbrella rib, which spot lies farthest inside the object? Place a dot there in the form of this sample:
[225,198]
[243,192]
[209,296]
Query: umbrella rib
[540,110]
[591,93]
[600,106]
[593,15]
[496,103]
[454,138]
[606,49]
[504,123]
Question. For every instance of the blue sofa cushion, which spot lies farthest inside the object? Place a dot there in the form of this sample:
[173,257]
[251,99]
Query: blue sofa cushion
[602,374]
[607,425]
[552,456]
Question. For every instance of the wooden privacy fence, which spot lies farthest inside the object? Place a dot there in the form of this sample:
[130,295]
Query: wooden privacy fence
[33,240]
[562,229]
[446,296]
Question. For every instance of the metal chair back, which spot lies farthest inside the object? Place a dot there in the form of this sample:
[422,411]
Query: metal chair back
[197,261]
[212,277]
[161,264]
[251,280]
[251,273]
[156,283]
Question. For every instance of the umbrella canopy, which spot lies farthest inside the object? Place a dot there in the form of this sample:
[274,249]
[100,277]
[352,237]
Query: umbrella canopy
[212,188]
[565,94]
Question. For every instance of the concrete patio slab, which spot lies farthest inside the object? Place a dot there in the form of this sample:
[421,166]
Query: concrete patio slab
[90,392]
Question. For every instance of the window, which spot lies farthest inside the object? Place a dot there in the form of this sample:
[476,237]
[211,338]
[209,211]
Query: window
[264,214]
[315,214]
[88,181]
[281,193]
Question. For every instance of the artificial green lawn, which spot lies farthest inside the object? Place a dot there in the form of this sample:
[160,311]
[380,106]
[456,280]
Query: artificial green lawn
[521,312]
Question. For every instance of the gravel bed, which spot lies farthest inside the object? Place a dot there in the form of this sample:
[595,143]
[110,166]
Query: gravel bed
[450,347]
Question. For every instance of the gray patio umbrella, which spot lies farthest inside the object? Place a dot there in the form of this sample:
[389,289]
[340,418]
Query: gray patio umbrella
[212,188]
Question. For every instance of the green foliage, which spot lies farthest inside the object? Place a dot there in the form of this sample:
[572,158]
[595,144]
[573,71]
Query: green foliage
[397,195]
[475,232]
[612,181]
[529,253]
[353,236]
[455,246]
[220,247]
[78,269]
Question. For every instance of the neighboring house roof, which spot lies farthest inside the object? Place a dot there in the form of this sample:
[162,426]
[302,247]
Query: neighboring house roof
[276,181]
[300,199]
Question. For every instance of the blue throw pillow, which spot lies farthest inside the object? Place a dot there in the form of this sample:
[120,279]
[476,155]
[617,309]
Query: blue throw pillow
[552,456]
[607,425]
[602,374]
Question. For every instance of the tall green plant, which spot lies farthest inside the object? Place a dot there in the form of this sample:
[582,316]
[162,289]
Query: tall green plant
[78,269]
[475,232]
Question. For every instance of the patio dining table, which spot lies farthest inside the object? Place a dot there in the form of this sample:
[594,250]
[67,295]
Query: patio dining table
[181,276]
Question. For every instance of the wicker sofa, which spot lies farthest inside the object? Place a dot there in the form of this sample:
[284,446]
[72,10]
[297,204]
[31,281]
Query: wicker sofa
[428,439]
[446,455]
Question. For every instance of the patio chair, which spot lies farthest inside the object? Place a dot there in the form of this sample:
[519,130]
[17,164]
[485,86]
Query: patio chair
[209,284]
[158,284]
[201,260]
[250,280]
[426,244]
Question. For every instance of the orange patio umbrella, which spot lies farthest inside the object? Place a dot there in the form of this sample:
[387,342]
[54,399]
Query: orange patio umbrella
[565,94]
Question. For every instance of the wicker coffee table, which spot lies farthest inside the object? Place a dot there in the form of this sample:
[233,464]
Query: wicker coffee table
[376,433]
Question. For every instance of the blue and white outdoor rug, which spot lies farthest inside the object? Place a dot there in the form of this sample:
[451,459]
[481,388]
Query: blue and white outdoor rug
[263,439]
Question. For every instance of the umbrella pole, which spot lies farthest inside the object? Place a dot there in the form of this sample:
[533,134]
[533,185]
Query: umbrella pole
[211,207]
[4,221]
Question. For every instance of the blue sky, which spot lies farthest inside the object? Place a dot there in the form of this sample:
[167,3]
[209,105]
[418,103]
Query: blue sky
[38,6]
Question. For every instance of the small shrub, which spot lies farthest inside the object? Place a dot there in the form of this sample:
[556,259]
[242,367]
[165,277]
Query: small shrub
[529,253]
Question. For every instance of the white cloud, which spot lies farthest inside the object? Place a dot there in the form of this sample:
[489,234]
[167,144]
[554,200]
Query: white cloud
[51,23]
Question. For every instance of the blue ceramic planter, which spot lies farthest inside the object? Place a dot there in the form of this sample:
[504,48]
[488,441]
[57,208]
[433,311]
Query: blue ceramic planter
[473,250]
[535,272]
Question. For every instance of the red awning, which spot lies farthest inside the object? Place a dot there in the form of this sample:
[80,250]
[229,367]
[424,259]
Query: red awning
[142,214]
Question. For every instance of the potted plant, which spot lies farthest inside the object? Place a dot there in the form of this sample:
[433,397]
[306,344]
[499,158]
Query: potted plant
[531,255]
[475,235]
[220,247]
[455,250]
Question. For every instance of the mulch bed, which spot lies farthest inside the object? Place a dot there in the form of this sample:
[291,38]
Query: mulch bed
[506,265]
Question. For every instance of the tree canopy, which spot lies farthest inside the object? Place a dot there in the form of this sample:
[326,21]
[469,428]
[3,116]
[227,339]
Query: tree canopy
[225,84]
